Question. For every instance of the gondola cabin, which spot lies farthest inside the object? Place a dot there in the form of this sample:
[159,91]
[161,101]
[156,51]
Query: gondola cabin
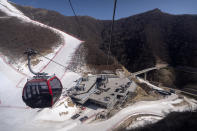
[42,92]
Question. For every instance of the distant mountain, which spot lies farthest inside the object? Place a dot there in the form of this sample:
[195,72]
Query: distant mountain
[156,37]
[140,41]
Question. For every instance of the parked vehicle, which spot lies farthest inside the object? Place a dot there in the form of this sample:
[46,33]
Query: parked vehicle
[83,118]
[83,108]
[75,116]
[172,91]
[163,92]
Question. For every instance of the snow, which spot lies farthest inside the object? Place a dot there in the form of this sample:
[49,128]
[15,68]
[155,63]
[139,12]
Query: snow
[159,108]
[16,116]
[14,113]
[12,110]
[142,121]
[69,78]
[7,88]
[5,82]
[149,84]
[11,10]
[61,112]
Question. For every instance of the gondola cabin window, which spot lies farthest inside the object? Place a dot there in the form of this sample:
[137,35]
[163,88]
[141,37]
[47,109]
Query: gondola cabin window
[37,95]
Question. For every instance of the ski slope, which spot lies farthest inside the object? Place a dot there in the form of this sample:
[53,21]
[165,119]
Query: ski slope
[14,113]
[15,116]
[10,10]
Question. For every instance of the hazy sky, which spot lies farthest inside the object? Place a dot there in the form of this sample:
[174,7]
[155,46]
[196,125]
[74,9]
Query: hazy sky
[102,9]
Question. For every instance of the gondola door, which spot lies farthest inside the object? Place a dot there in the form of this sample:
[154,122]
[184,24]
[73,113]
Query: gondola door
[56,88]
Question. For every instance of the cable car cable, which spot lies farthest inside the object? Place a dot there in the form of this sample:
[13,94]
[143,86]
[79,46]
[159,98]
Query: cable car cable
[111,33]
[72,8]
[76,18]
[52,60]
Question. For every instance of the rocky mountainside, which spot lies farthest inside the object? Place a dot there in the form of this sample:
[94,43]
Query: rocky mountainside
[156,37]
[140,41]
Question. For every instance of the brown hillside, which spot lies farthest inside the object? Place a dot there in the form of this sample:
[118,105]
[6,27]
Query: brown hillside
[17,35]
[140,41]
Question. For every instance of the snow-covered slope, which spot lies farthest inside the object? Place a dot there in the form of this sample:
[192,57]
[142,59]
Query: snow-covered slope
[14,114]
[158,108]
[10,10]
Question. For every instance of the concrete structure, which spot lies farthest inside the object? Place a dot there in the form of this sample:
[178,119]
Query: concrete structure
[145,71]
[103,90]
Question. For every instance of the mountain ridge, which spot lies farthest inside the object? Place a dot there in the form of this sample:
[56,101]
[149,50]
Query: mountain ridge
[139,41]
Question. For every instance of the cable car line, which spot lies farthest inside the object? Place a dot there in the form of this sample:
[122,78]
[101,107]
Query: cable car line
[43,90]
[76,18]
[72,8]
[52,60]
[111,33]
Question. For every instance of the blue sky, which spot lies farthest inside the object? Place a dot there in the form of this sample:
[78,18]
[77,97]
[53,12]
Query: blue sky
[102,9]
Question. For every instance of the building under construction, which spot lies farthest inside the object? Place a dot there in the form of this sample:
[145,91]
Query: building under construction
[104,90]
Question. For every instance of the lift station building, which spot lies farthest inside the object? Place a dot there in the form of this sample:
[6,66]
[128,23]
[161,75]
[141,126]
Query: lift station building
[104,90]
